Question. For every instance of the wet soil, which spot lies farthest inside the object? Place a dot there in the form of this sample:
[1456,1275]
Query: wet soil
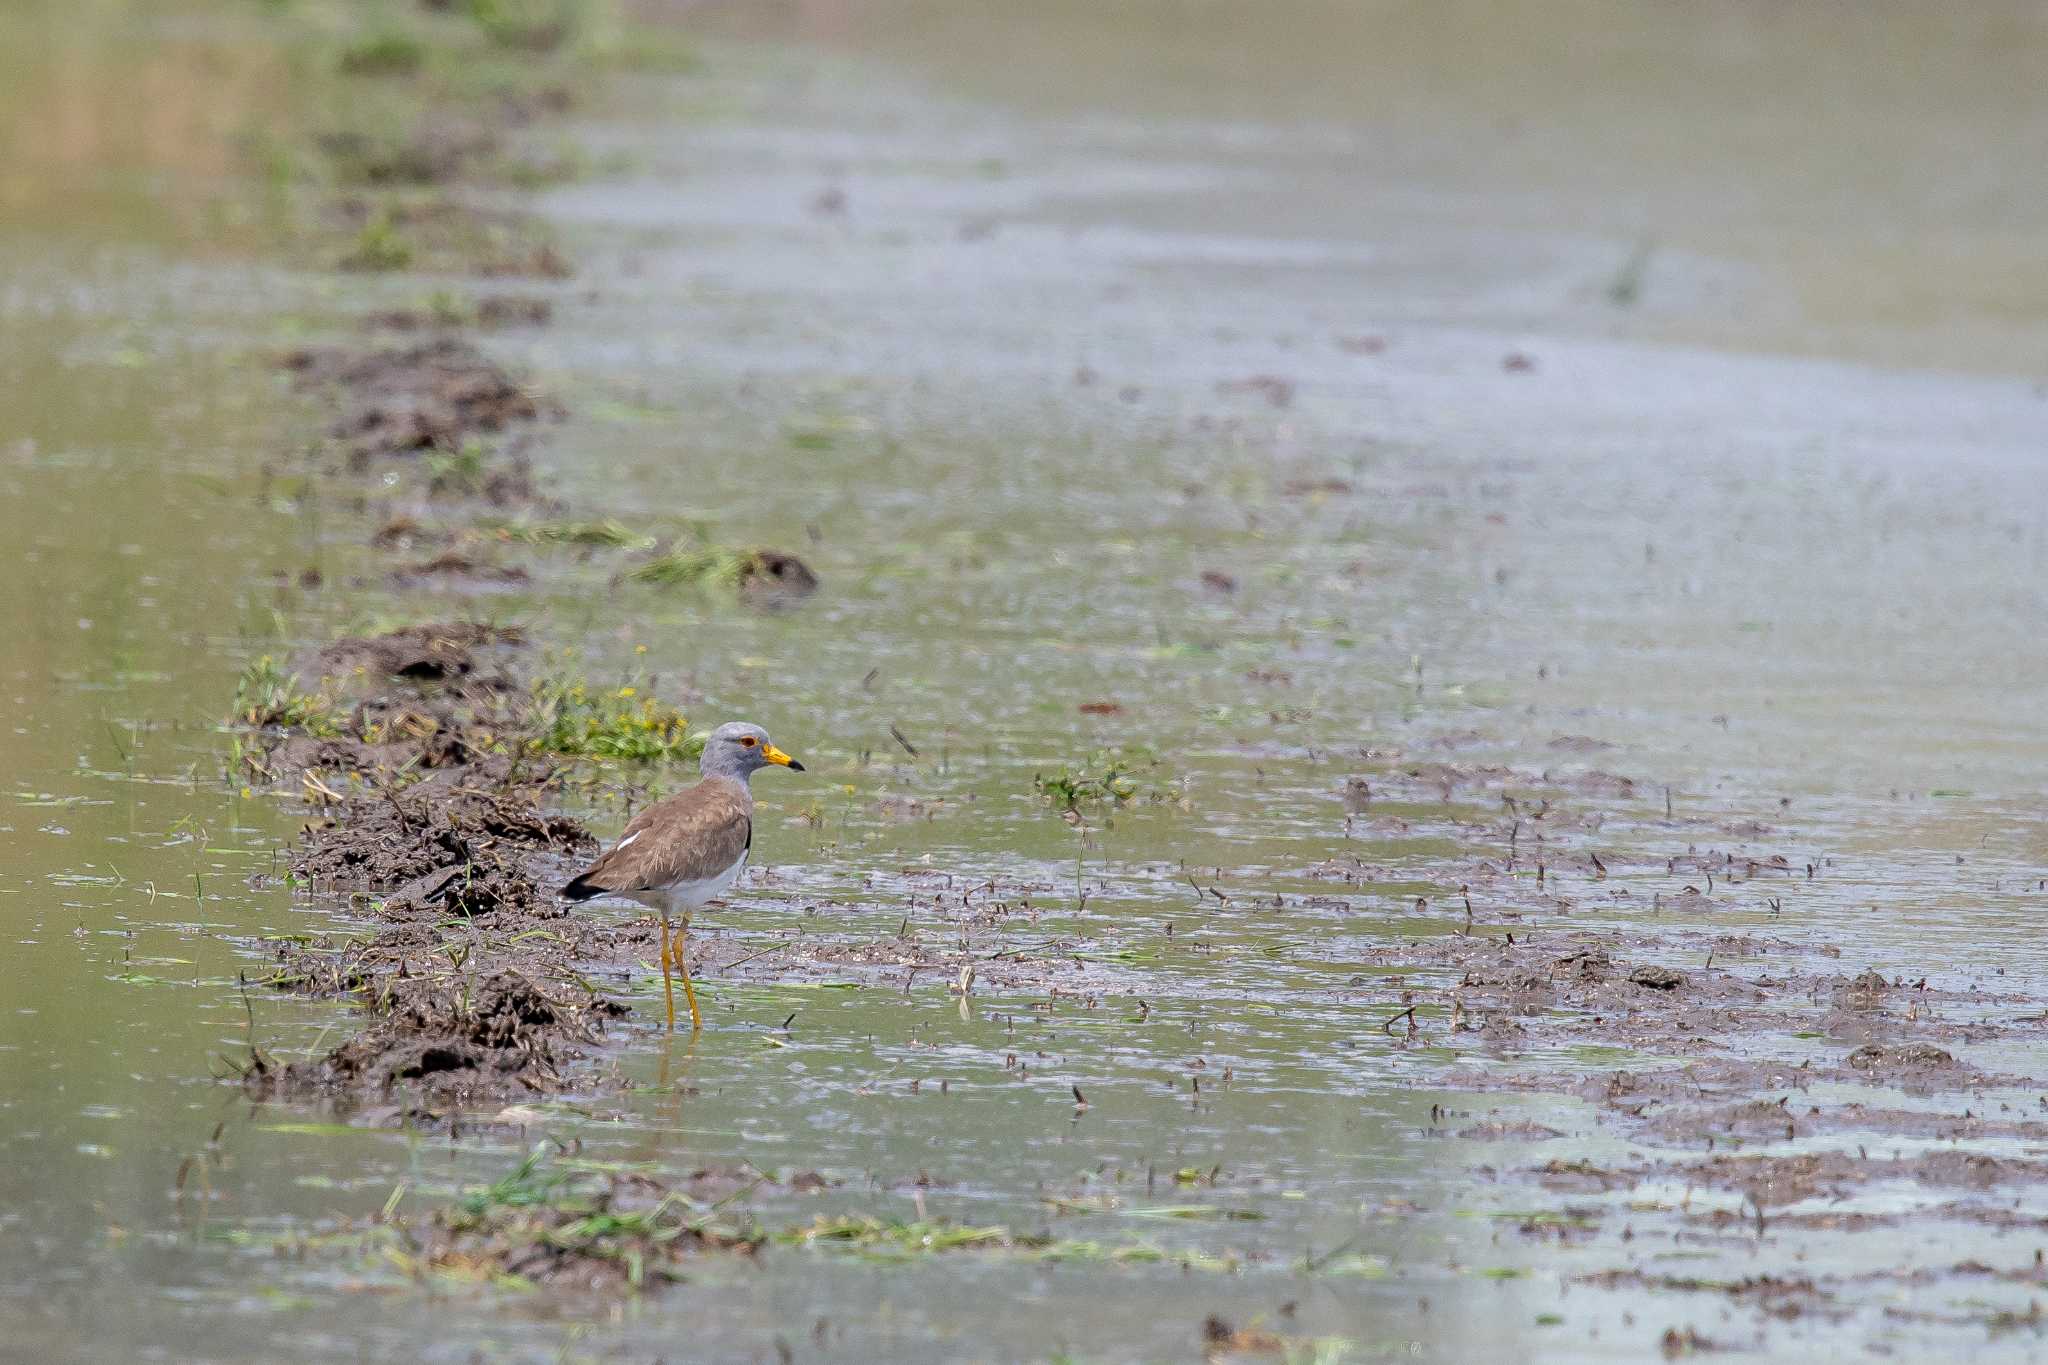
[1764,1068]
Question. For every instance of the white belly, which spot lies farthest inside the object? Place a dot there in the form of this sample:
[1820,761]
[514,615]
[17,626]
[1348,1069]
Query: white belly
[687,896]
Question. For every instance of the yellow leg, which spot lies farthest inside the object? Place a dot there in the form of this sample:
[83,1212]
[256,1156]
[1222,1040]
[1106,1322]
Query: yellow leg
[666,989]
[689,994]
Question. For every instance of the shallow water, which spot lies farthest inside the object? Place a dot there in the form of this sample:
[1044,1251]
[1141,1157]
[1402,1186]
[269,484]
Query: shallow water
[1800,589]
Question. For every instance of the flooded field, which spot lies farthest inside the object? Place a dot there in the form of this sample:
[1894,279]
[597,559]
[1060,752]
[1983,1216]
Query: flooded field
[1414,632]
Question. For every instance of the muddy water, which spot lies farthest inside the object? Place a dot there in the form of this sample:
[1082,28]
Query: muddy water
[1016,334]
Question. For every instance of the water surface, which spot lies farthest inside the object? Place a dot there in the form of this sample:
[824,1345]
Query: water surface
[1699,415]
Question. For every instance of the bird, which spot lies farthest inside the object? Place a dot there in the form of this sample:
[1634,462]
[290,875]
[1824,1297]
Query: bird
[686,849]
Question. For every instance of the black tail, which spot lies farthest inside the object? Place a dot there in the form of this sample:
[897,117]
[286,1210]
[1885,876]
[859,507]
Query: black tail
[581,889]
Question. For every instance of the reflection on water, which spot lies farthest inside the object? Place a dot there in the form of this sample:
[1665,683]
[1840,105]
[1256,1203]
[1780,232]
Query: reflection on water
[1024,385]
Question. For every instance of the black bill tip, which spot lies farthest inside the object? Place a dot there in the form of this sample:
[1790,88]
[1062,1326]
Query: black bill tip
[795,766]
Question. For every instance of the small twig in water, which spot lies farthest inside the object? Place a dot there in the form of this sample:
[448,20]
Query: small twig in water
[908,747]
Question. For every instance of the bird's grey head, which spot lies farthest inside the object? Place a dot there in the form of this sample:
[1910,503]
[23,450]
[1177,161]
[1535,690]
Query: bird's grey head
[738,749]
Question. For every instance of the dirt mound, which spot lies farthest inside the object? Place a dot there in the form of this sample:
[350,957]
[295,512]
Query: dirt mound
[452,1036]
[438,652]
[417,753]
[456,849]
[433,154]
[452,568]
[421,700]
[399,401]
[1906,1064]
[771,578]
[490,313]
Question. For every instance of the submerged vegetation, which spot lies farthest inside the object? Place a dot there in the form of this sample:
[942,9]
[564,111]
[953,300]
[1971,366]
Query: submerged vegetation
[1110,777]
[544,1222]
[558,1220]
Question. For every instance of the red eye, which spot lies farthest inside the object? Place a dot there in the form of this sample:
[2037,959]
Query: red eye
[747,740]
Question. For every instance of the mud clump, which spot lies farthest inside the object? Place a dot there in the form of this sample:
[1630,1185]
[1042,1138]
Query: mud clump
[1652,977]
[438,652]
[1222,1341]
[522,107]
[454,569]
[448,849]
[1499,1131]
[418,700]
[1901,1061]
[448,812]
[401,401]
[493,313]
[540,261]
[433,154]
[509,310]
[1867,992]
[445,235]
[432,809]
[451,1039]
[770,578]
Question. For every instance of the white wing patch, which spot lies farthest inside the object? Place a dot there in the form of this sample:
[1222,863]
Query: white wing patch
[631,837]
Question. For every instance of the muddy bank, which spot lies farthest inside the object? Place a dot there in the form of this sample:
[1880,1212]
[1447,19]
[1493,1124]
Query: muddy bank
[447,432]
[442,403]
[431,768]
[459,433]
[415,756]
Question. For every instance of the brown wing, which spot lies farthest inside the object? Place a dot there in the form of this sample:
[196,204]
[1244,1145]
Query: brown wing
[694,835]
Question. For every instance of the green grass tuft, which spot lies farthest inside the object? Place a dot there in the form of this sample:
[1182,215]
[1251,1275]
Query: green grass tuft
[266,696]
[574,718]
[461,471]
[379,246]
[610,534]
[1108,777]
[694,565]
[530,25]
[384,54]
